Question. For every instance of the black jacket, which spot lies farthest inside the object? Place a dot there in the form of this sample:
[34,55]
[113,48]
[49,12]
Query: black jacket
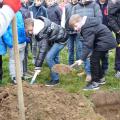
[114,17]
[96,37]
[50,34]
[54,13]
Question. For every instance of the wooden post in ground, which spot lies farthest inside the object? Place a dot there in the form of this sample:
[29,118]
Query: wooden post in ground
[18,71]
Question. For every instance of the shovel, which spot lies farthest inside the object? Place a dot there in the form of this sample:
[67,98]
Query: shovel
[34,77]
[63,68]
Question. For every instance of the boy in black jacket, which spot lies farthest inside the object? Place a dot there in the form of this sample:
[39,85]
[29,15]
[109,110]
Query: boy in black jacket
[51,39]
[98,38]
[114,24]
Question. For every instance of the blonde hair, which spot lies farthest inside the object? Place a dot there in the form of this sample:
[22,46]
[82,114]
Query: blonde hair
[28,22]
[74,19]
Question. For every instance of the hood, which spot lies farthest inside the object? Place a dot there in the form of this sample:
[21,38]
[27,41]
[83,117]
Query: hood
[85,2]
[91,22]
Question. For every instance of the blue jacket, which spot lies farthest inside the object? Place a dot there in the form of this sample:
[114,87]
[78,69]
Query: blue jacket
[7,37]
[3,48]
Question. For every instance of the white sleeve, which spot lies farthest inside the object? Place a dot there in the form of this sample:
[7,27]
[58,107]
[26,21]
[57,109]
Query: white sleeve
[63,19]
[6,15]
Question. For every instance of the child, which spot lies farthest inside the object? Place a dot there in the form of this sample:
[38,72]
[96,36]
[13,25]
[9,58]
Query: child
[104,8]
[54,11]
[114,24]
[8,39]
[51,38]
[96,37]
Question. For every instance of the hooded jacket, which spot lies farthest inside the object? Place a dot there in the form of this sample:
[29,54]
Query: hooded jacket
[114,17]
[96,37]
[89,8]
[50,34]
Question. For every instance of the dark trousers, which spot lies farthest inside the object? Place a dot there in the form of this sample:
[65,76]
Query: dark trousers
[117,59]
[1,71]
[96,68]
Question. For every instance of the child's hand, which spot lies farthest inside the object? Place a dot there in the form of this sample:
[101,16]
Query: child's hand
[37,69]
[79,62]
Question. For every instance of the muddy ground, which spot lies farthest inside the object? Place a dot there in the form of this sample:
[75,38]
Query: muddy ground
[43,103]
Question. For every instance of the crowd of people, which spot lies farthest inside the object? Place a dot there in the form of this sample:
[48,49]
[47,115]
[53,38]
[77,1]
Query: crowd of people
[85,27]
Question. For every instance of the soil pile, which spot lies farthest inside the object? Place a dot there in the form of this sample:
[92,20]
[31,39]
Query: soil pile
[107,104]
[43,103]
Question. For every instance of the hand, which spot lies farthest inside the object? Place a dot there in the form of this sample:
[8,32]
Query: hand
[14,4]
[37,69]
[79,62]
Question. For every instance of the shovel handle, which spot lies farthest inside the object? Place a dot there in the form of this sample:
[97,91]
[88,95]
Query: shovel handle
[73,65]
[34,77]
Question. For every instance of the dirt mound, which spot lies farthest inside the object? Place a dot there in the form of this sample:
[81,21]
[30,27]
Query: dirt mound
[107,104]
[42,103]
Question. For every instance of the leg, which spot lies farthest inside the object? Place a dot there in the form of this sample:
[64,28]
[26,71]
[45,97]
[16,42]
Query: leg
[105,62]
[71,49]
[1,71]
[51,57]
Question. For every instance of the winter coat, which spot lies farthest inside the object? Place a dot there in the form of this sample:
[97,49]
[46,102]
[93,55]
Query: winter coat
[96,37]
[90,9]
[68,11]
[3,48]
[104,9]
[38,11]
[54,13]
[8,38]
[50,34]
[114,18]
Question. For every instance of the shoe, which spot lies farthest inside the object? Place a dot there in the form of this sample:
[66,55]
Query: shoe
[14,81]
[101,81]
[88,78]
[52,83]
[92,86]
[117,75]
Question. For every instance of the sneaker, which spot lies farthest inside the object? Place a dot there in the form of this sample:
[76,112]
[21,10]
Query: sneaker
[102,81]
[14,81]
[88,78]
[117,75]
[92,86]
[52,83]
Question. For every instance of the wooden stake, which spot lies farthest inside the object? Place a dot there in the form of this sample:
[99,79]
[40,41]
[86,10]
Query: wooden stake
[18,71]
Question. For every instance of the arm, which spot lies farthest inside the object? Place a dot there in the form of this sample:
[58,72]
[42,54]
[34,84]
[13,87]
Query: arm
[43,45]
[88,43]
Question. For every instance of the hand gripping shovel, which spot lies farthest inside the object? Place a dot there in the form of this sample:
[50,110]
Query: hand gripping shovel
[63,69]
[34,77]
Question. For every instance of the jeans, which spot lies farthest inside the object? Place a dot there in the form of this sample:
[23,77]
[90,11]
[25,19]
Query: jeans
[96,68]
[52,58]
[12,61]
[75,40]
[1,70]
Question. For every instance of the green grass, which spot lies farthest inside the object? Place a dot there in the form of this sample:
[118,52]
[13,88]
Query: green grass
[71,82]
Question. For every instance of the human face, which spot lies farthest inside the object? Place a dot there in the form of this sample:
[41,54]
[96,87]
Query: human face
[29,30]
[38,2]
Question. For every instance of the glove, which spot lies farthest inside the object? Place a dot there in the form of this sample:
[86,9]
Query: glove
[79,62]
[14,4]
[37,69]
